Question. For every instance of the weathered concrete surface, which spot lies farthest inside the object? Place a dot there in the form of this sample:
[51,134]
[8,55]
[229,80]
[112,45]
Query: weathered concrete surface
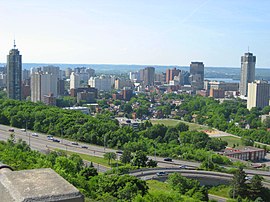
[35,186]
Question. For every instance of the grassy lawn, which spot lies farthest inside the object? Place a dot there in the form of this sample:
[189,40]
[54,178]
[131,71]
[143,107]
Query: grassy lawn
[155,185]
[221,190]
[173,122]
[231,140]
[94,159]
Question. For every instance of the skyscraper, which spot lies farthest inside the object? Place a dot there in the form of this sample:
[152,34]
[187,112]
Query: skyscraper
[197,75]
[247,72]
[148,76]
[258,94]
[14,74]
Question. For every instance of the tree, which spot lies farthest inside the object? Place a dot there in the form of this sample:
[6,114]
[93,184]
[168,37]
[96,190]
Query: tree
[88,172]
[151,163]
[126,156]
[140,159]
[247,141]
[255,187]
[181,127]
[239,187]
[266,122]
[110,156]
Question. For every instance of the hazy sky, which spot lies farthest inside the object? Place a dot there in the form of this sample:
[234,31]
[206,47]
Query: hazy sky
[165,32]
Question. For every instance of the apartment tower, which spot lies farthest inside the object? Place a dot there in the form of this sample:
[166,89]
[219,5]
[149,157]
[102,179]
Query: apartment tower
[258,94]
[14,74]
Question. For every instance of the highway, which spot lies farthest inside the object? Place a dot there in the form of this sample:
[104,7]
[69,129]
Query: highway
[41,143]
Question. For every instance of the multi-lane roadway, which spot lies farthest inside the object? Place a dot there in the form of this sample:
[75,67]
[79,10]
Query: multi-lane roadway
[41,143]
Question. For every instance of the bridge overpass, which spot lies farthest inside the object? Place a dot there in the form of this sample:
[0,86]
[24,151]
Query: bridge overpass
[204,177]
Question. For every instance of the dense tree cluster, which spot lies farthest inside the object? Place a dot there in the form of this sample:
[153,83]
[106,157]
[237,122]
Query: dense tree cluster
[188,187]
[251,189]
[85,178]
[102,129]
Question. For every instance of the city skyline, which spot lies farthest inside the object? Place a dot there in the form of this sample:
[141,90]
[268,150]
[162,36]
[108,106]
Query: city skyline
[136,32]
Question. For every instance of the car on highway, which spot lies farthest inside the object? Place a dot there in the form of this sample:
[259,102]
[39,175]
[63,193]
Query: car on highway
[34,134]
[119,152]
[11,130]
[50,137]
[161,174]
[23,130]
[74,143]
[84,147]
[167,159]
[183,166]
[56,140]
[248,177]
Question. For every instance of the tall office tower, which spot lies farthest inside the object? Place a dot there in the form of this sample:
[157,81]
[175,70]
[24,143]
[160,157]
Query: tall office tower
[247,72]
[74,81]
[197,75]
[149,76]
[258,94]
[14,74]
[42,85]
[171,73]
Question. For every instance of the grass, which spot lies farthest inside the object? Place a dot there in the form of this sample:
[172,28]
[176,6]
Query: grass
[155,185]
[222,191]
[173,122]
[231,140]
[94,159]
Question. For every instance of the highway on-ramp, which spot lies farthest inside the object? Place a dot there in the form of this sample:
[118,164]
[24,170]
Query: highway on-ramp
[41,143]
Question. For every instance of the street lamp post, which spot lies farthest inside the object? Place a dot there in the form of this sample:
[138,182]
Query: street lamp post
[26,121]
[62,140]
[104,142]
[155,151]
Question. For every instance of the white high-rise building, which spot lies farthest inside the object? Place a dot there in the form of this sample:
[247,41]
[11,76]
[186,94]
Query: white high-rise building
[74,81]
[42,84]
[258,94]
[101,83]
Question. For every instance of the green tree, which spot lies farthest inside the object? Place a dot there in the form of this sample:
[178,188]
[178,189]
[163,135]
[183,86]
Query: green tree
[266,122]
[140,158]
[110,156]
[247,141]
[126,156]
[255,187]
[151,163]
[181,127]
[239,187]
[88,172]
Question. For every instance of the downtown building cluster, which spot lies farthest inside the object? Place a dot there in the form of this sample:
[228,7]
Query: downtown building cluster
[45,84]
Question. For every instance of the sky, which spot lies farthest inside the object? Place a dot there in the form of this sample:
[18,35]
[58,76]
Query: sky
[145,32]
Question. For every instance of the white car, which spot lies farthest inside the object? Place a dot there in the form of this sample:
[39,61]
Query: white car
[34,135]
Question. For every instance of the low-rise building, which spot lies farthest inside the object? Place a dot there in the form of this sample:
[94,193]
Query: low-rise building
[246,153]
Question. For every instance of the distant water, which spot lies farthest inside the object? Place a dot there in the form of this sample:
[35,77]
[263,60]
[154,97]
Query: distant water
[227,80]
